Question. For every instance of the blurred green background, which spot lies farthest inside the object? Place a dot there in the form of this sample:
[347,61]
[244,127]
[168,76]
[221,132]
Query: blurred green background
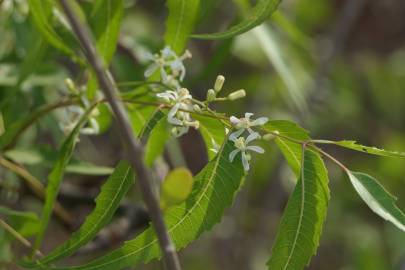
[334,66]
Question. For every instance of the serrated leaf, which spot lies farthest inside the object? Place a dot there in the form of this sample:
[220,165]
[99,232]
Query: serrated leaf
[377,198]
[213,133]
[180,23]
[366,149]
[107,203]
[176,187]
[261,12]
[41,11]
[213,191]
[56,175]
[301,225]
[292,151]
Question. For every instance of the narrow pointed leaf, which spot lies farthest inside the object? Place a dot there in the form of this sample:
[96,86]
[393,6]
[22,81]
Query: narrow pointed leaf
[56,175]
[180,23]
[377,198]
[366,149]
[213,190]
[107,202]
[261,12]
[301,225]
[292,151]
[41,11]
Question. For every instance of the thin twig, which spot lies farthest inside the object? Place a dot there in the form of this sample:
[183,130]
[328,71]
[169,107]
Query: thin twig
[134,148]
[37,188]
[18,236]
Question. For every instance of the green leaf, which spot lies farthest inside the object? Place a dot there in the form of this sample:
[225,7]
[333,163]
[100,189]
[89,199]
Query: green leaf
[56,175]
[156,141]
[292,151]
[213,133]
[105,20]
[176,187]
[377,198]
[301,225]
[365,149]
[140,118]
[213,190]
[180,23]
[261,12]
[25,223]
[41,11]
[85,168]
[107,203]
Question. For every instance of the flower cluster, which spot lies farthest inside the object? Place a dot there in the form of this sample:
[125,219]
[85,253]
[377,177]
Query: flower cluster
[241,143]
[170,66]
[73,113]
[172,73]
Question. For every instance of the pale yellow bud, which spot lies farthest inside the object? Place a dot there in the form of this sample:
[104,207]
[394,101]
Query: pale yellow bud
[237,94]
[219,83]
[211,95]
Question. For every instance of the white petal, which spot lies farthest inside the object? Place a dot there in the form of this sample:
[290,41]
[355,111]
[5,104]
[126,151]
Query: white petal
[257,149]
[248,115]
[170,117]
[163,74]
[245,162]
[252,136]
[234,136]
[260,121]
[234,120]
[150,70]
[233,154]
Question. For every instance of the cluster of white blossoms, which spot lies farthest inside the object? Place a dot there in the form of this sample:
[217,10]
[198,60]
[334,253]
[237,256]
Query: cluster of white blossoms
[72,114]
[172,72]
[170,66]
[241,143]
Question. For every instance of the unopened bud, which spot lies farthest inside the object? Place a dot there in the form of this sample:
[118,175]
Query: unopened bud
[237,95]
[211,95]
[71,85]
[196,108]
[269,137]
[219,83]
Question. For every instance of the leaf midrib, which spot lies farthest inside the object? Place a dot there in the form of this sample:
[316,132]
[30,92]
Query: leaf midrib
[297,232]
[108,209]
[197,203]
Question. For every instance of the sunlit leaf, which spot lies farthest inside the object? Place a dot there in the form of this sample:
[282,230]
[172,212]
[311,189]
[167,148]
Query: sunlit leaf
[176,187]
[261,12]
[366,149]
[301,225]
[157,140]
[292,151]
[213,190]
[377,198]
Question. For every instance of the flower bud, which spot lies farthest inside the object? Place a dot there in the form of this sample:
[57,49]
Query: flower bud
[219,83]
[71,85]
[269,137]
[211,95]
[237,94]
[196,108]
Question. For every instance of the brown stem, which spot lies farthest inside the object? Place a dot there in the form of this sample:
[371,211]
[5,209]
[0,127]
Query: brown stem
[134,148]
[18,236]
[37,188]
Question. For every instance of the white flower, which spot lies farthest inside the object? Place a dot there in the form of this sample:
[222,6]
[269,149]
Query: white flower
[242,146]
[245,123]
[181,100]
[171,66]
